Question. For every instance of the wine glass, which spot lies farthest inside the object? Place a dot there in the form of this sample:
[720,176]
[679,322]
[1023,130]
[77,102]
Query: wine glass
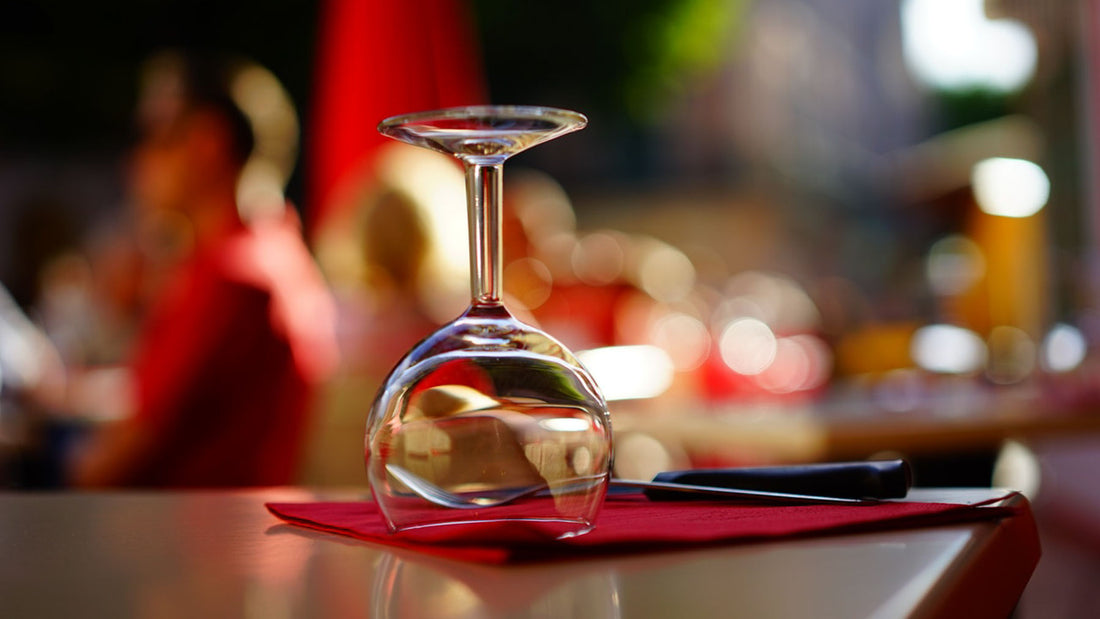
[487,404]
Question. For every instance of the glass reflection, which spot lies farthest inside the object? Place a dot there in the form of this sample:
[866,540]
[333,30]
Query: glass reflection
[412,588]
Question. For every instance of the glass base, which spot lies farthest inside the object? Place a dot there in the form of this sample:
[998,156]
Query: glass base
[508,527]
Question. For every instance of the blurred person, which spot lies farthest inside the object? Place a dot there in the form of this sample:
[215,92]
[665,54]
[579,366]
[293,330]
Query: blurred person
[31,376]
[382,312]
[395,252]
[239,334]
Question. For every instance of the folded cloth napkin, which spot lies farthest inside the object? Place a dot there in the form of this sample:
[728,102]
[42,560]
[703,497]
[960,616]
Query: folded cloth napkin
[629,524]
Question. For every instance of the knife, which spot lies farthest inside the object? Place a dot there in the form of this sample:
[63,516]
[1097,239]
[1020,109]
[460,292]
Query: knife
[872,479]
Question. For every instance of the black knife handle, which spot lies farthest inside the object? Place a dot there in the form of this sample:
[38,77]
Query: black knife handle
[873,479]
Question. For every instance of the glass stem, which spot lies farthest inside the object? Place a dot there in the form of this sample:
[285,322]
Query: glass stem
[483,196]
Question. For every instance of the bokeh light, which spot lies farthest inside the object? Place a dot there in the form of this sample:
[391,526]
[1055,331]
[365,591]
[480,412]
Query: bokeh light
[748,346]
[952,45]
[776,300]
[629,372]
[789,371]
[599,258]
[664,272]
[1010,187]
[1064,348]
[948,349]
[955,263]
[1012,355]
[641,456]
[684,337]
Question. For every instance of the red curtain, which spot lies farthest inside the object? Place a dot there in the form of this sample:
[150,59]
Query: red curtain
[377,58]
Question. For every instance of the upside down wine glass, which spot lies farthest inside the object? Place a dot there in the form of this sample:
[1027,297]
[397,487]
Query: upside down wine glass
[487,404]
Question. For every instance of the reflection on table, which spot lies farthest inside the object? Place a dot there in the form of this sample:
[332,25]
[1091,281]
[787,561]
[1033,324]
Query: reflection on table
[222,554]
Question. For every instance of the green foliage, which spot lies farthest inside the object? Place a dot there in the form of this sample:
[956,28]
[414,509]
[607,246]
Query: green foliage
[962,107]
[616,57]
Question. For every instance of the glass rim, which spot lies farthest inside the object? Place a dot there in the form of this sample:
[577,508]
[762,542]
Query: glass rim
[567,118]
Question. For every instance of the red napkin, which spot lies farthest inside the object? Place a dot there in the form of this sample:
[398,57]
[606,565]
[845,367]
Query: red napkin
[629,524]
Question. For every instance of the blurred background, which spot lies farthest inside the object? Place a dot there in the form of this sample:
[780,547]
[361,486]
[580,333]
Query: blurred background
[794,230]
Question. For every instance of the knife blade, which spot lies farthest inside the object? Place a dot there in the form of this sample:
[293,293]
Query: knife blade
[872,479]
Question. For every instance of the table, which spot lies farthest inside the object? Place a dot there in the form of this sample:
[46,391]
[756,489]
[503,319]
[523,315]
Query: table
[221,554]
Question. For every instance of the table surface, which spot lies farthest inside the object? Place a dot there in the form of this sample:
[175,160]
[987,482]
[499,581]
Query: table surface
[221,554]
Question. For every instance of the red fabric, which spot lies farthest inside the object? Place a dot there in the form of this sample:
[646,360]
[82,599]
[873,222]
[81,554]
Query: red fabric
[227,362]
[458,372]
[376,59]
[632,524]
